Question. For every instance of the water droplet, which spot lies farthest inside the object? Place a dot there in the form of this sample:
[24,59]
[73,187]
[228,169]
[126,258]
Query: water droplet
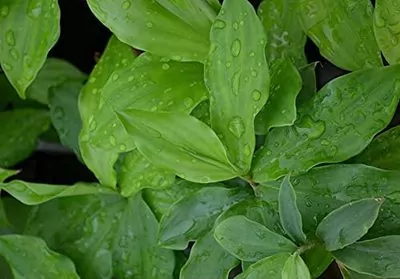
[252,54]
[34,9]
[235,26]
[254,73]
[115,77]
[92,125]
[14,54]
[7,67]
[236,83]
[126,5]
[10,38]
[130,78]
[122,147]
[4,11]
[219,24]
[113,141]
[236,48]
[256,95]
[236,126]
[247,150]
[92,79]
[188,102]
[149,24]
[165,66]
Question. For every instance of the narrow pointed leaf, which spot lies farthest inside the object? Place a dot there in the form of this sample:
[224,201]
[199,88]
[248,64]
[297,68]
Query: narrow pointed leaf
[175,30]
[29,29]
[286,38]
[309,84]
[295,268]
[378,257]
[191,149]
[237,76]
[343,31]
[280,109]
[250,241]
[289,213]
[348,223]
[270,267]
[338,123]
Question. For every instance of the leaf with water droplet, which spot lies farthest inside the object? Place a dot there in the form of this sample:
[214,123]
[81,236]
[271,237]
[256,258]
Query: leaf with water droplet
[269,267]
[336,124]
[285,86]
[343,31]
[193,216]
[30,257]
[376,257]
[348,223]
[286,38]
[387,29]
[27,39]
[295,268]
[147,24]
[250,241]
[238,83]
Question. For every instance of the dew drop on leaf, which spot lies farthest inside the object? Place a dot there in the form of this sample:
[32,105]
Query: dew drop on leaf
[219,24]
[4,11]
[165,66]
[10,38]
[256,95]
[126,5]
[236,126]
[236,48]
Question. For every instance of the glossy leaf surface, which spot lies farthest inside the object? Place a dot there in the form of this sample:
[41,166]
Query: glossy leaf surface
[29,29]
[237,76]
[270,267]
[295,268]
[250,241]
[338,123]
[192,217]
[178,30]
[343,31]
[348,223]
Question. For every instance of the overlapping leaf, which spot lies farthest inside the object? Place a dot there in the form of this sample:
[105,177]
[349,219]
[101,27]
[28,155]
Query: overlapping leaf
[295,268]
[270,267]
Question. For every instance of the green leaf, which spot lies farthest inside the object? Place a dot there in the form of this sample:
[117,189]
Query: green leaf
[295,268]
[383,151]
[105,235]
[309,88]
[29,257]
[174,29]
[191,149]
[348,223]
[270,267]
[250,241]
[64,113]
[386,18]
[138,173]
[379,257]
[343,31]
[193,216]
[237,76]
[20,130]
[215,4]
[53,73]
[4,174]
[350,274]
[202,112]
[34,193]
[29,30]
[17,213]
[209,259]
[289,213]
[286,38]
[338,123]
[317,260]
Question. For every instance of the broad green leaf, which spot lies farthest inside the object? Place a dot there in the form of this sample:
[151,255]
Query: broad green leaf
[317,260]
[4,174]
[64,113]
[286,38]
[338,123]
[309,84]
[237,76]
[34,193]
[270,267]
[383,151]
[250,241]
[348,223]
[289,213]
[350,274]
[174,29]
[295,268]
[105,235]
[386,20]
[20,130]
[193,216]
[29,257]
[53,73]
[209,259]
[17,213]
[29,29]
[138,173]
[379,257]
[343,31]
[280,110]
[191,149]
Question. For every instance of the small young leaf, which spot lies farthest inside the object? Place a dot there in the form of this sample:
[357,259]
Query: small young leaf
[29,257]
[209,259]
[338,123]
[348,223]
[193,216]
[250,241]
[191,150]
[280,110]
[317,260]
[4,174]
[29,29]
[289,213]
[350,42]
[386,18]
[309,84]
[383,151]
[378,257]
[286,38]
[295,268]
[269,267]
[237,77]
